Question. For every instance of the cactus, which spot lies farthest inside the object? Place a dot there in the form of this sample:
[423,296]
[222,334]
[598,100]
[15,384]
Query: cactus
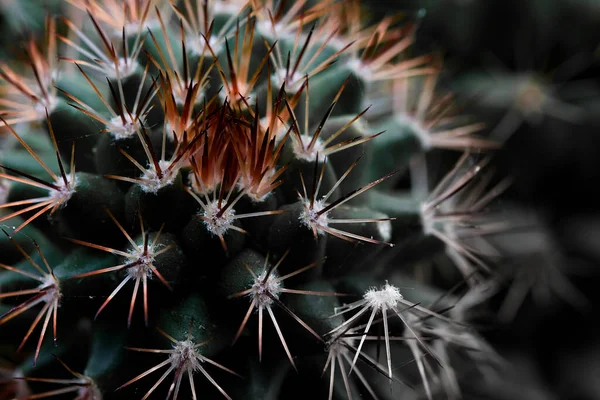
[268,198]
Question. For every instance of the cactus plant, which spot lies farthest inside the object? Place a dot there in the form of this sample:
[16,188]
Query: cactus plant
[224,159]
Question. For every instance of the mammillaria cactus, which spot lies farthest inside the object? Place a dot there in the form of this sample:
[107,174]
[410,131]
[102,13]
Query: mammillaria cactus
[254,172]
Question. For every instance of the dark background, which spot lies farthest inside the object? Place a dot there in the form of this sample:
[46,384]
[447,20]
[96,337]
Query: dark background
[555,163]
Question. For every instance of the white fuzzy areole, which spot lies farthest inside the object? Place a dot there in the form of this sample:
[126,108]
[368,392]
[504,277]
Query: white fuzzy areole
[122,131]
[261,290]
[218,225]
[144,268]
[154,183]
[309,218]
[364,71]
[292,84]
[64,192]
[276,31]
[303,153]
[385,298]
[197,45]
[185,356]
[123,69]
[52,287]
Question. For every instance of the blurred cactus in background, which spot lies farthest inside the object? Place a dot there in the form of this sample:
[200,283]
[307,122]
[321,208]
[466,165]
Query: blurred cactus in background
[268,199]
